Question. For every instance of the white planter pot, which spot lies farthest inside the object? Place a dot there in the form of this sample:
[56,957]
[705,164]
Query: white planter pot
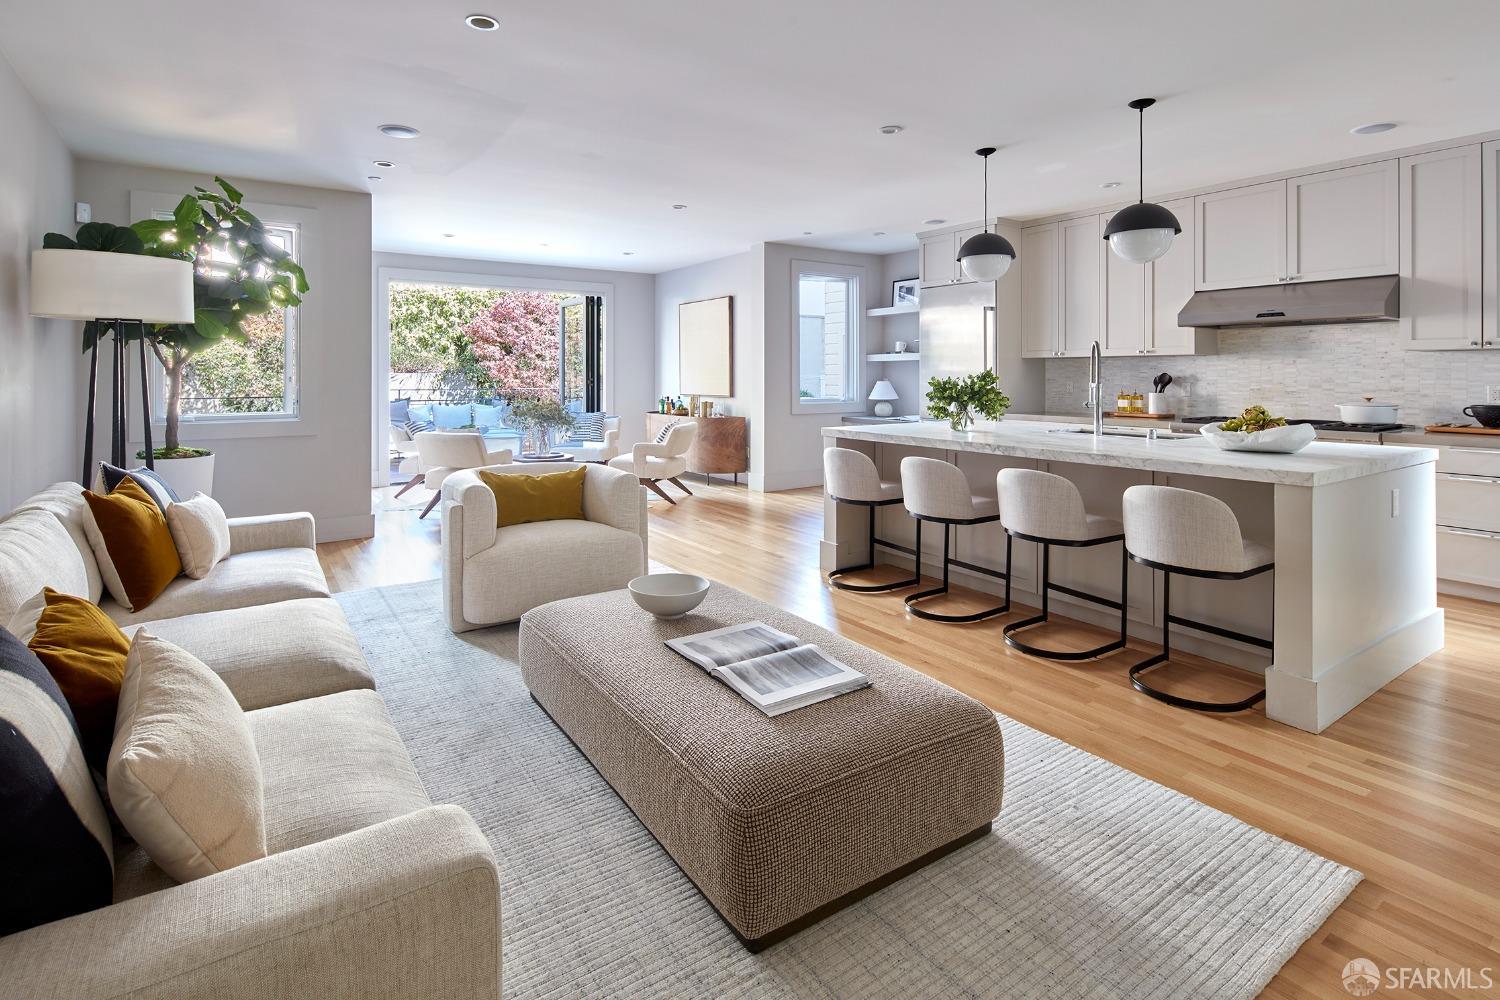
[187,476]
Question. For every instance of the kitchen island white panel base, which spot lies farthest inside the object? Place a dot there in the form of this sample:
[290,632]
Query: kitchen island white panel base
[1352,601]
[1314,705]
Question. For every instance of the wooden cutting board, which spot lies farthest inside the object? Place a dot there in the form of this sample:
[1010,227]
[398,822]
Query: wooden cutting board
[1465,429]
[1116,415]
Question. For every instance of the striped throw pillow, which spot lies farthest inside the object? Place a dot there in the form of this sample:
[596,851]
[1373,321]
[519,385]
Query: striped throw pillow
[415,426]
[666,428]
[588,427]
[55,841]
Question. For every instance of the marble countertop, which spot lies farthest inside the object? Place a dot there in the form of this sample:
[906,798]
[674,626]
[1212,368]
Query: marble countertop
[1319,464]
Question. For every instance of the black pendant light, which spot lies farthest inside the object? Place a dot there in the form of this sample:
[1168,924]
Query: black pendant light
[986,256]
[1142,232]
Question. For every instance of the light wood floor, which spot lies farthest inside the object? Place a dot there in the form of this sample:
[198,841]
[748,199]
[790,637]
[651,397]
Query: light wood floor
[1406,788]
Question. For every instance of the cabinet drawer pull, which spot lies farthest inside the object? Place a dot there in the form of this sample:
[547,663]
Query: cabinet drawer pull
[1461,477]
[1473,451]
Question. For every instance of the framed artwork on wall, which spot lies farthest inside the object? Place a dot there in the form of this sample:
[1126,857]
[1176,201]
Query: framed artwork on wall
[705,347]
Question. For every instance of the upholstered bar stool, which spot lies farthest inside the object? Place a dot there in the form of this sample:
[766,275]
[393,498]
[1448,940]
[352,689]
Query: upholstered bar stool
[1190,534]
[852,479]
[937,491]
[1046,509]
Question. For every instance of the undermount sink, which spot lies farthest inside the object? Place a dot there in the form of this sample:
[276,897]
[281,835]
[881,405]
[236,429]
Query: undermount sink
[1124,432]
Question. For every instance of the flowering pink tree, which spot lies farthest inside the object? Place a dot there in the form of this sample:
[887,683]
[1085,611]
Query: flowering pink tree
[515,342]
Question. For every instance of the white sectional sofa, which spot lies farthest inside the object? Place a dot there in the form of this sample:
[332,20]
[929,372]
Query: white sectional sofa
[368,889]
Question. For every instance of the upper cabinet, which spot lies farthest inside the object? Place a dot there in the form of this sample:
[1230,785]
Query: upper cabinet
[938,259]
[1317,227]
[1241,236]
[1490,332]
[1041,289]
[1141,301]
[1343,223]
[1442,249]
[1080,241]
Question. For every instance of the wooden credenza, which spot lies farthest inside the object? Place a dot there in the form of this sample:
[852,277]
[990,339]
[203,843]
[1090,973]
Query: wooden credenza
[722,444]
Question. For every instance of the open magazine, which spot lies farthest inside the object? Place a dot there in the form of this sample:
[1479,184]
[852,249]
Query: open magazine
[771,670]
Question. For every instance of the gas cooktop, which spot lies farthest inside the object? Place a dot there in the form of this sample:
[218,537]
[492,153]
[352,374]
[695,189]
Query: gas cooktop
[1322,425]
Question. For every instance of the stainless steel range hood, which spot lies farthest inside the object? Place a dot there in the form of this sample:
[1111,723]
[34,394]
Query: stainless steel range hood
[1351,300]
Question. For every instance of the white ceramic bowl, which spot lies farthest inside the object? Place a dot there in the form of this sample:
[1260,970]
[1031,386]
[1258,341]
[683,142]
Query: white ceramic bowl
[1284,440]
[668,595]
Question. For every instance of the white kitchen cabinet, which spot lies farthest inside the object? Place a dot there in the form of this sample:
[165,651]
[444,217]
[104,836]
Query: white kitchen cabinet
[1490,199]
[1171,285]
[1442,250]
[1468,518]
[1127,303]
[1469,557]
[938,260]
[1081,266]
[1241,237]
[1344,223]
[1041,287]
[1141,301]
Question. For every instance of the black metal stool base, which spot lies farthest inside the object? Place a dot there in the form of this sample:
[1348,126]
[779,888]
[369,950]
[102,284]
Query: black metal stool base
[1168,620]
[935,616]
[1047,586]
[835,578]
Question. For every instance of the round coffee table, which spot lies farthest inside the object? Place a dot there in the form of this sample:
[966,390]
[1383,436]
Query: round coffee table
[556,456]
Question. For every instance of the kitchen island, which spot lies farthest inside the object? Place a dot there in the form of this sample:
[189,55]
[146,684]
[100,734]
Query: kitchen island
[1354,590]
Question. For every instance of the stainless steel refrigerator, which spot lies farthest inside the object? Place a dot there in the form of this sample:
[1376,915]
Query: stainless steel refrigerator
[965,330]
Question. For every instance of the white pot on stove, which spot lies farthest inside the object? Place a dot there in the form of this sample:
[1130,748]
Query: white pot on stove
[1368,412]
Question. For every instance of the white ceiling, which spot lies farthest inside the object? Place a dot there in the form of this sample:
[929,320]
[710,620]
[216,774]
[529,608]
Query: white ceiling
[581,122]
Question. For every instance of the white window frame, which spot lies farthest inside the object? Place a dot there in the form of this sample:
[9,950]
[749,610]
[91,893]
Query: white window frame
[854,346]
[306,321]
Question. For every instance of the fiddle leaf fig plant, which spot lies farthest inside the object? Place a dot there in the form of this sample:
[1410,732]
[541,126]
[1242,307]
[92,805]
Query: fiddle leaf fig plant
[960,400]
[239,271]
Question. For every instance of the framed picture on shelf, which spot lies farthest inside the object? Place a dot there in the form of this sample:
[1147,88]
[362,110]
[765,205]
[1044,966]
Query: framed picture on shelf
[906,292]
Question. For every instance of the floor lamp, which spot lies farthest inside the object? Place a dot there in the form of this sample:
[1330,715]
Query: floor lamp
[113,290]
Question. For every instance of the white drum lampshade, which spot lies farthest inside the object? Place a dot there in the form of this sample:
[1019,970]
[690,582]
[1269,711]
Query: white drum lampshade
[93,284]
[883,393]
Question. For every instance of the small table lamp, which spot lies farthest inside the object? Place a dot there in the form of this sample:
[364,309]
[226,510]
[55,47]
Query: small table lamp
[884,392]
[112,289]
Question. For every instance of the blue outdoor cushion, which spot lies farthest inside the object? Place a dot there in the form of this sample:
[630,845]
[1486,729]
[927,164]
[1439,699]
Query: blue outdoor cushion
[447,417]
[400,411]
[488,416]
[422,414]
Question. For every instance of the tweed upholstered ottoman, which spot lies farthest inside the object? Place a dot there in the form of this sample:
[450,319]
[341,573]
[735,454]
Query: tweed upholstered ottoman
[778,821]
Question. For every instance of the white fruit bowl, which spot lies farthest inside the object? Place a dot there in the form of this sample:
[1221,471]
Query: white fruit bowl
[668,595]
[1283,440]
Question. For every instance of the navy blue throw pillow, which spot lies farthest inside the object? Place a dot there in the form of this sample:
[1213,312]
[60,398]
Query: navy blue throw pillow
[55,841]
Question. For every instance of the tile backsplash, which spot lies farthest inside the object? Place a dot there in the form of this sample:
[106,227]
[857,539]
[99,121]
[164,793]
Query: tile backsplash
[1295,372]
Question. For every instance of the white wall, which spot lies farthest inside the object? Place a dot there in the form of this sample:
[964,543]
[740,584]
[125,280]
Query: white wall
[320,463]
[734,276]
[629,323]
[795,456]
[41,439]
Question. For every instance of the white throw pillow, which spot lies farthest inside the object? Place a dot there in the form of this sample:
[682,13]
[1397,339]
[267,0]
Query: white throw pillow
[201,533]
[183,773]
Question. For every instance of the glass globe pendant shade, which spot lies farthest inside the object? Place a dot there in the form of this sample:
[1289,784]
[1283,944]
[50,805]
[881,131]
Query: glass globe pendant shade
[986,256]
[1142,232]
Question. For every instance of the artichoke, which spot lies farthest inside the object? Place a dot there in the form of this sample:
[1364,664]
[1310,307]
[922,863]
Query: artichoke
[1255,418]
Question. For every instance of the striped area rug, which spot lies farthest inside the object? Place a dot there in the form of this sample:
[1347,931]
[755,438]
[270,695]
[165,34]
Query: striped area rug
[1095,882]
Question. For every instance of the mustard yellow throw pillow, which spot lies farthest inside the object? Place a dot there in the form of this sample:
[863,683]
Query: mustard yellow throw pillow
[85,653]
[131,543]
[520,499]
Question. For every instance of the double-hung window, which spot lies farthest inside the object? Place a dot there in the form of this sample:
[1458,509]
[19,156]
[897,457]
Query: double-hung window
[827,375]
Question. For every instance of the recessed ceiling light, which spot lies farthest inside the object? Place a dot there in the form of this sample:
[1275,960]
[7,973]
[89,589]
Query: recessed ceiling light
[880,234]
[449,236]
[807,232]
[1108,185]
[544,244]
[627,253]
[934,222]
[481,22]
[1374,128]
[892,129]
[678,208]
[373,177]
[400,131]
[383,163]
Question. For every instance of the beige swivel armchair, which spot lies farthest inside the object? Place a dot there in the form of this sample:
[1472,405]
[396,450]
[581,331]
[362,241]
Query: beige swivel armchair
[651,462]
[442,453]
